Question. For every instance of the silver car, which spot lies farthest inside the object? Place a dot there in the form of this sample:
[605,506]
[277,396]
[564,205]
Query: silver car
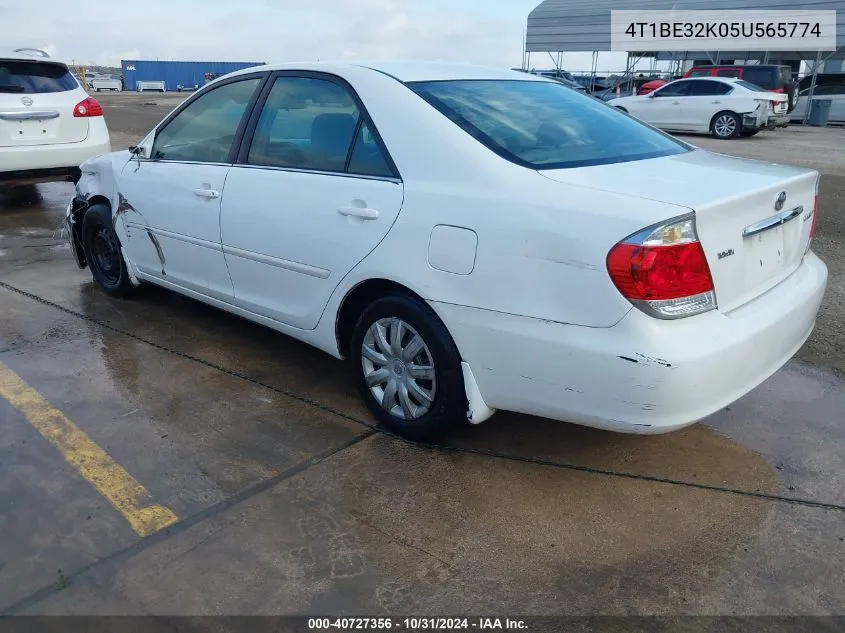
[836,93]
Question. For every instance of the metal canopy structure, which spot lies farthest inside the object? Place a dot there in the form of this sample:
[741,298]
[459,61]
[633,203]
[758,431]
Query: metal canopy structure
[559,26]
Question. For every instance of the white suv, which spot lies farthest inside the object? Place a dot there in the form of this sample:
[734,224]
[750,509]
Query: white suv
[48,123]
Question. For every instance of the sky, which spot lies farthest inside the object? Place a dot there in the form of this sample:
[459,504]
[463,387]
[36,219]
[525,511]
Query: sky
[102,32]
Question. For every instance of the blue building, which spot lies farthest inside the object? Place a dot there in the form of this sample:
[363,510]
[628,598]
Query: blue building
[177,74]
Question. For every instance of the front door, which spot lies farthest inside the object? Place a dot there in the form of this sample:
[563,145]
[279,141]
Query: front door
[170,202]
[665,108]
[314,191]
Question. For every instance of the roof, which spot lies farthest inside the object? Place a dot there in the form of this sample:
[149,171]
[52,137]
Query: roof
[584,25]
[408,71]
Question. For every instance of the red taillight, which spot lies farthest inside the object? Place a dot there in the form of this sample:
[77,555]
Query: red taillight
[88,107]
[664,271]
[657,273]
[778,90]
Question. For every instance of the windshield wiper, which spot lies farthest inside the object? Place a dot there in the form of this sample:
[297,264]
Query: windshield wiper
[10,88]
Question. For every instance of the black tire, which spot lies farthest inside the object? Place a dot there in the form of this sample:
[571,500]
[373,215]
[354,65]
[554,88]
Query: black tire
[448,408]
[748,133]
[102,252]
[715,125]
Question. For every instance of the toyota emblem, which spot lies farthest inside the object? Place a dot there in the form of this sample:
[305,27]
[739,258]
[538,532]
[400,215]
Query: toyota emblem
[781,200]
[26,101]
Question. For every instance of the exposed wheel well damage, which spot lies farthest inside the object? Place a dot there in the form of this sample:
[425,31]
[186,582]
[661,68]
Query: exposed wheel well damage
[80,208]
[356,300]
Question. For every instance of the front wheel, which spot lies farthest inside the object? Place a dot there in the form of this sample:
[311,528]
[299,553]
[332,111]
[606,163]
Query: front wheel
[102,252]
[408,368]
[726,125]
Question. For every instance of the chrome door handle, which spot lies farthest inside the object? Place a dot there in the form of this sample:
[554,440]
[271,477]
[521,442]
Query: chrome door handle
[359,212]
[676,103]
[716,102]
[207,193]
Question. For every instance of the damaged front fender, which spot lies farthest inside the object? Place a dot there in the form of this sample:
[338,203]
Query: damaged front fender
[73,229]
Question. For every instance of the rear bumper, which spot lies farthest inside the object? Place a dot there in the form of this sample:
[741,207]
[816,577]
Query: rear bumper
[642,375]
[35,158]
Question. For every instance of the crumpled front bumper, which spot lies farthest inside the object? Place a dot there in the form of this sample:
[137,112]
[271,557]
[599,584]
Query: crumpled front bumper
[73,230]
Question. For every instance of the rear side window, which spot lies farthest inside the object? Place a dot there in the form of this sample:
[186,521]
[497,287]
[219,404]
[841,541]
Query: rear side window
[544,125]
[728,72]
[24,77]
[704,88]
[700,73]
[764,77]
[752,87]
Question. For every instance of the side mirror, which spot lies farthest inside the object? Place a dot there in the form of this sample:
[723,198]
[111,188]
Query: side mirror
[136,151]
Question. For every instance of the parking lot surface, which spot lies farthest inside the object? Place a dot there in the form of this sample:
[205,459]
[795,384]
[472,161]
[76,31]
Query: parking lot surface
[158,456]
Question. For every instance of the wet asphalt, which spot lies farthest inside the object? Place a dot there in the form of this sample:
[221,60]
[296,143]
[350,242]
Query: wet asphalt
[289,502]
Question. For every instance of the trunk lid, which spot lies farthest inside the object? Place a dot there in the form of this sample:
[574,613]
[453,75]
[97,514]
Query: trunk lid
[751,245]
[36,104]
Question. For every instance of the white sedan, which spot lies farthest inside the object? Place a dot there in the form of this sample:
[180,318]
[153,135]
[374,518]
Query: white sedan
[722,106]
[469,239]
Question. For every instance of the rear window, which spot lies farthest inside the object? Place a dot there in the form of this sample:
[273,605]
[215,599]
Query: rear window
[701,73]
[753,87]
[26,77]
[544,125]
[764,77]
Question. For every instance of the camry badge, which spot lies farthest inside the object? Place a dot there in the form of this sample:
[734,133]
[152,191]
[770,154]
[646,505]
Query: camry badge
[781,200]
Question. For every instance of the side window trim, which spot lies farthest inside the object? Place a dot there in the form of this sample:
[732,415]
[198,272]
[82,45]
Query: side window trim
[244,141]
[263,76]
[355,135]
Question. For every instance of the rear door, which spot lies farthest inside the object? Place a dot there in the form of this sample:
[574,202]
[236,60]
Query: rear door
[314,191]
[706,98]
[37,100]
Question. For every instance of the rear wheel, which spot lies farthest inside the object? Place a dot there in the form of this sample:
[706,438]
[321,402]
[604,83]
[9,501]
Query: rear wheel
[408,368]
[726,125]
[102,252]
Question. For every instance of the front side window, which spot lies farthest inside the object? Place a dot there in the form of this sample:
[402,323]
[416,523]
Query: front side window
[674,89]
[545,125]
[23,77]
[205,130]
[306,123]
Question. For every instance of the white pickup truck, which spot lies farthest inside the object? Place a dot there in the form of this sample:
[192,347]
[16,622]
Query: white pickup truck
[141,86]
[106,83]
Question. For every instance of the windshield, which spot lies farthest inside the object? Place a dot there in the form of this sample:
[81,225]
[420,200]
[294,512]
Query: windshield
[748,86]
[544,125]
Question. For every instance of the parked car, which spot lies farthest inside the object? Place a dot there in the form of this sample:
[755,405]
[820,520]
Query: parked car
[592,84]
[651,86]
[470,239]
[771,77]
[106,82]
[624,87]
[727,108]
[48,123]
[834,92]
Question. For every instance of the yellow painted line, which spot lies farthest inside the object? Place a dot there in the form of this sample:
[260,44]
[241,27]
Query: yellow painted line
[129,497]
